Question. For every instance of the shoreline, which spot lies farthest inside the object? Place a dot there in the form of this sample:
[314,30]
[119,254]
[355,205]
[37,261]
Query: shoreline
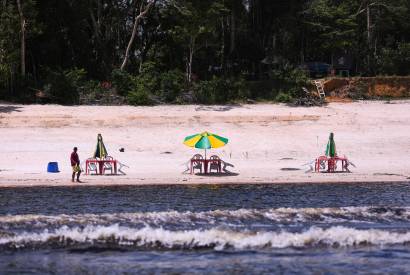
[26,183]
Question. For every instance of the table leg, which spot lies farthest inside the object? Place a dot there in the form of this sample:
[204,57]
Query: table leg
[206,167]
[115,167]
[101,165]
[86,167]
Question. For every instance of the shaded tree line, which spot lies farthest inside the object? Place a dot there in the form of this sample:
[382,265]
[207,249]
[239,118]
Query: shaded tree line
[150,51]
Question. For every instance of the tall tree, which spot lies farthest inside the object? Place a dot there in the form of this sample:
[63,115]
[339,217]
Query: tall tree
[22,38]
[143,10]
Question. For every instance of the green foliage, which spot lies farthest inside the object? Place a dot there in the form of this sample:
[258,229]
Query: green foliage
[149,78]
[63,87]
[172,85]
[151,84]
[289,83]
[394,61]
[139,96]
[284,97]
[219,90]
[122,81]
[202,38]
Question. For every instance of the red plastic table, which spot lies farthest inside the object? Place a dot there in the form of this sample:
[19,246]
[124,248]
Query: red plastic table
[100,164]
[331,163]
[205,162]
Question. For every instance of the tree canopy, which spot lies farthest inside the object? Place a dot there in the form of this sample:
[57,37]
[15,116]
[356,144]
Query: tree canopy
[191,41]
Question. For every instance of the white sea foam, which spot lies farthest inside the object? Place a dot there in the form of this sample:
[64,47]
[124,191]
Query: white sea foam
[325,215]
[216,238]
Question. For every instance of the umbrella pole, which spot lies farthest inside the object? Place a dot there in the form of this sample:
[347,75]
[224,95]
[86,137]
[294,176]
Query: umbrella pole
[205,153]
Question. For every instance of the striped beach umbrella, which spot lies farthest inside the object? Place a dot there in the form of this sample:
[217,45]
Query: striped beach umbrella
[205,141]
[100,151]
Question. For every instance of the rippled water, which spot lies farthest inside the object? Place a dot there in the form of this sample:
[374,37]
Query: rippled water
[292,228]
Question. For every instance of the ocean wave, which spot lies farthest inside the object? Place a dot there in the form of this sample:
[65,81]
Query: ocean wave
[274,215]
[216,238]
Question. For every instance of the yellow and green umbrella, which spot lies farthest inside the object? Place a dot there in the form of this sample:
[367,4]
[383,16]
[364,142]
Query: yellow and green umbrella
[205,141]
[100,151]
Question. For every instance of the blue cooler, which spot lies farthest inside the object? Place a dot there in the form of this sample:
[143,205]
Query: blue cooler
[52,167]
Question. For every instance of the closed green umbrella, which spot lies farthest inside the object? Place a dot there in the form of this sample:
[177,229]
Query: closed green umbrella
[100,151]
[331,147]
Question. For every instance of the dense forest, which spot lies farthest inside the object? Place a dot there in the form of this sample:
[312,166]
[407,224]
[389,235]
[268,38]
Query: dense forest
[177,51]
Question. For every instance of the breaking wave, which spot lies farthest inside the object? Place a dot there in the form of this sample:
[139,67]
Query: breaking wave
[216,238]
[274,215]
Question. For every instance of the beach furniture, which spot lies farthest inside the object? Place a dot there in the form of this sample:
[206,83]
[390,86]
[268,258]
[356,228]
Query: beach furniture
[205,141]
[101,165]
[329,161]
[101,161]
[108,166]
[331,147]
[100,151]
[215,163]
[91,165]
[197,161]
[329,164]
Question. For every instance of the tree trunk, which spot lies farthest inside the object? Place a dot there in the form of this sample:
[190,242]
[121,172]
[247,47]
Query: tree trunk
[233,30]
[190,58]
[22,39]
[222,65]
[142,14]
[369,34]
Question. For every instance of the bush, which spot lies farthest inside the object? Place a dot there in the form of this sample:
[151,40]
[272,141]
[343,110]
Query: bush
[284,97]
[394,61]
[139,96]
[172,85]
[144,86]
[219,90]
[289,83]
[150,84]
[122,81]
[63,87]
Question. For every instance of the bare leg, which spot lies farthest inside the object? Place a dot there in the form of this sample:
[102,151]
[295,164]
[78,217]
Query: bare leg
[78,176]
[72,177]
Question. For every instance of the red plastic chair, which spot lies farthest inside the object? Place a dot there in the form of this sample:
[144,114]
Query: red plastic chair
[214,164]
[196,163]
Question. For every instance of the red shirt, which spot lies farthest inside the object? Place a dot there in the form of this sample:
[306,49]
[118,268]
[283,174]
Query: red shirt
[75,160]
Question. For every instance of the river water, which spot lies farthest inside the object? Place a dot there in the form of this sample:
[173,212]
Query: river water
[241,229]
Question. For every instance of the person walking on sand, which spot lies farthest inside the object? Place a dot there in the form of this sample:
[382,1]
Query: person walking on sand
[75,164]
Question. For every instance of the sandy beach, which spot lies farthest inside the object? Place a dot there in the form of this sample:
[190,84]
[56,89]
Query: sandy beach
[267,143]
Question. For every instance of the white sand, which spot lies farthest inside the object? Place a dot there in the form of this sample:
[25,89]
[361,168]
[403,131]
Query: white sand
[263,139]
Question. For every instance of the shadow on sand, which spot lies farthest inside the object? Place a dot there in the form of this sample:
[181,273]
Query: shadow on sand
[9,109]
[223,174]
[221,108]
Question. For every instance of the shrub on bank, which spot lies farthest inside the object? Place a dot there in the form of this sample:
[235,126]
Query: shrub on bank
[220,90]
[63,87]
[139,96]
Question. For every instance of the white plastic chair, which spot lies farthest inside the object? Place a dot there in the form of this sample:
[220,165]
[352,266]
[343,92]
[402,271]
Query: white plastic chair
[107,165]
[92,167]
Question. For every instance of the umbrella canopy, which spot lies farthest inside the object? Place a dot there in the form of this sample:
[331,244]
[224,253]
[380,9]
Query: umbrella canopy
[205,141]
[100,151]
[331,147]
